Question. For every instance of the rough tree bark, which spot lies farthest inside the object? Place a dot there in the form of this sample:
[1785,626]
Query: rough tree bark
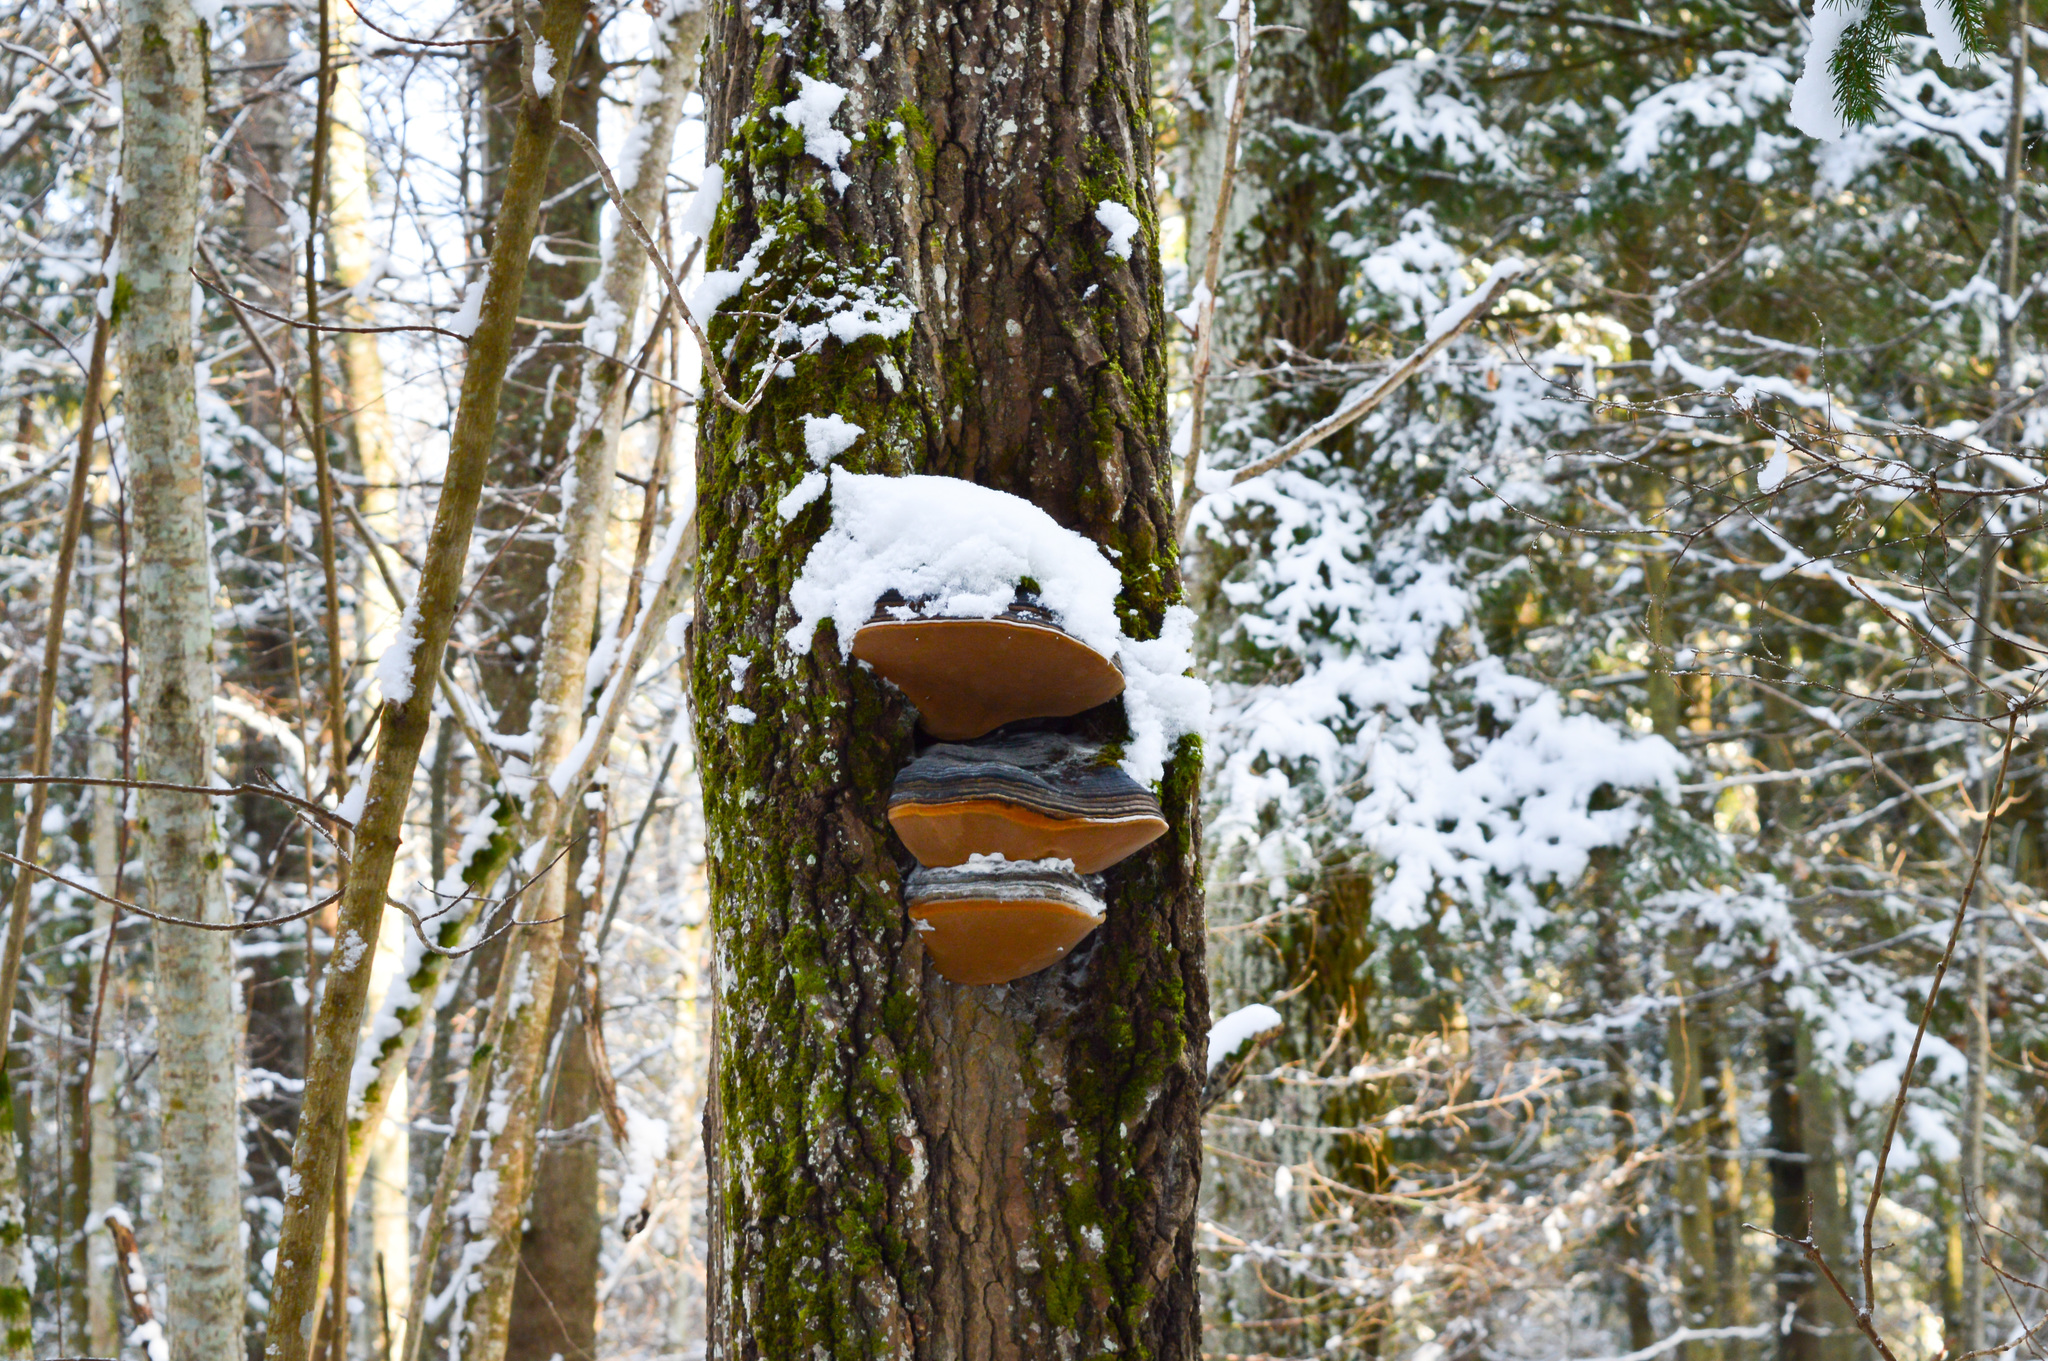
[902,1167]
[163,96]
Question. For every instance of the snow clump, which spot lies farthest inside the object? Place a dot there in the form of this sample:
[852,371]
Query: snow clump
[960,550]
[394,668]
[1121,224]
[1231,1033]
[811,112]
[827,437]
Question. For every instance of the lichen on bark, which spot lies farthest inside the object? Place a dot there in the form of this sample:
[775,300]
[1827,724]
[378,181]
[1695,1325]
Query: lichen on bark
[901,1166]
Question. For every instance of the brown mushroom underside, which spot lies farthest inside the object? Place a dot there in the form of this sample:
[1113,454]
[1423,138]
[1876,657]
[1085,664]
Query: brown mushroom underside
[947,833]
[996,940]
[968,677]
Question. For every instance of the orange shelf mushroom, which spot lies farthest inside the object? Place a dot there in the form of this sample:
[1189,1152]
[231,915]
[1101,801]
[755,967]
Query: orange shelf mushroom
[968,677]
[993,920]
[1033,796]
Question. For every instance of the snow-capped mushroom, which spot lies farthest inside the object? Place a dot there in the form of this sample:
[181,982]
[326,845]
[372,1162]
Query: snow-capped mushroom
[993,920]
[969,676]
[1032,796]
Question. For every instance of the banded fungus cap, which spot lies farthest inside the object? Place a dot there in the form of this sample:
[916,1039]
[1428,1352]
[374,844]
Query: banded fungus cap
[1027,796]
[993,920]
[968,677]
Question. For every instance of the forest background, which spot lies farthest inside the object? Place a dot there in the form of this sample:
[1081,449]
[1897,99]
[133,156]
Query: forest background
[1611,724]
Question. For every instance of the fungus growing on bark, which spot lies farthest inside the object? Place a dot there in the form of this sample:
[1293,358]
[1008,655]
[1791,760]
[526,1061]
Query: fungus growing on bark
[1031,796]
[969,676]
[993,920]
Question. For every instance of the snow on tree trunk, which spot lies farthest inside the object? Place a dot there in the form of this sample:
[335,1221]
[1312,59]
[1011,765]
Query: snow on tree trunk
[163,87]
[901,1166]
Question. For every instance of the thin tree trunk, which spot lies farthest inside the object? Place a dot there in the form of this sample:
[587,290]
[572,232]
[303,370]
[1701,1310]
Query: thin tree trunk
[163,114]
[350,206]
[1724,1165]
[405,722]
[1697,1262]
[554,1298]
[17,1264]
[1820,1123]
[1791,1217]
[903,1167]
[102,1303]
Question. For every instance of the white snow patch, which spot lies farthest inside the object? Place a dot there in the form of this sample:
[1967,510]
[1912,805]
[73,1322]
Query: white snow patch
[351,809]
[718,286]
[740,714]
[1945,27]
[463,323]
[1814,110]
[543,68]
[1774,472]
[809,488]
[1121,224]
[811,112]
[827,437]
[1231,1033]
[394,668]
[703,210]
[647,1143]
[349,952]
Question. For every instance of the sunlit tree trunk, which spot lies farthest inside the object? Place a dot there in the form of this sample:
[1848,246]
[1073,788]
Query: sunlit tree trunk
[902,1167]
[103,1151]
[163,110]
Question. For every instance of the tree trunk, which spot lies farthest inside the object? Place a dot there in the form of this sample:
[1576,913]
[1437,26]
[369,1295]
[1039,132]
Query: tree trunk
[536,1289]
[1799,1336]
[17,1263]
[406,719]
[900,1166]
[1697,1263]
[554,1301]
[101,1299]
[163,113]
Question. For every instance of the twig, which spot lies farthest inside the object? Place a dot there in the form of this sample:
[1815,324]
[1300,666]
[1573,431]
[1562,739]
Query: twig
[33,868]
[218,791]
[1884,1148]
[668,278]
[53,648]
[301,325]
[1502,276]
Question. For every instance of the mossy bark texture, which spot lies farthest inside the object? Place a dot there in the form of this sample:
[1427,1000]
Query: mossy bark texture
[900,1166]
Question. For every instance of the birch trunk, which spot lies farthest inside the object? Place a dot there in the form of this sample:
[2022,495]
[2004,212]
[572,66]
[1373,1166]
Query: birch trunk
[406,719]
[103,1321]
[902,1167]
[163,90]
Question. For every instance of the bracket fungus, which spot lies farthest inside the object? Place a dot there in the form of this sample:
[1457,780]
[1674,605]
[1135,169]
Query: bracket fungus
[1030,796]
[985,611]
[970,676]
[993,920]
